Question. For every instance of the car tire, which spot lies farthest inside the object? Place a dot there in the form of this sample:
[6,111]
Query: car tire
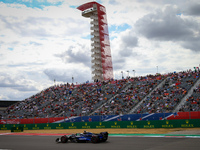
[105,136]
[95,139]
[64,139]
[105,139]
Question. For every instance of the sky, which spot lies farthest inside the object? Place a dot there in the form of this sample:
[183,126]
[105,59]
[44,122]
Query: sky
[47,42]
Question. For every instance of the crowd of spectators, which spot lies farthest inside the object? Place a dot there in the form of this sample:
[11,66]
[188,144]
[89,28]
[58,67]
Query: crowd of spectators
[48,102]
[129,97]
[102,93]
[167,97]
[112,97]
[193,102]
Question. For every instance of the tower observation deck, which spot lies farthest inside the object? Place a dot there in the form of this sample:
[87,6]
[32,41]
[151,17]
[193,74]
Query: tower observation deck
[100,45]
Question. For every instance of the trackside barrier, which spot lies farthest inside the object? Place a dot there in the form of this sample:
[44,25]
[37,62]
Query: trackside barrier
[189,123]
[17,129]
[102,118]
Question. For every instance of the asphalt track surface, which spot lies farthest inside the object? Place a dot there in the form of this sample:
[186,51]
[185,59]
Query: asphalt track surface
[27,142]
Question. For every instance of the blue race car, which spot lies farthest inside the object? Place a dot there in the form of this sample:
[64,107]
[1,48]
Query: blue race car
[84,137]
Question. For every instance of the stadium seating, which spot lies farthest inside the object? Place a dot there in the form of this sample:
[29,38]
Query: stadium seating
[167,97]
[193,102]
[111,97]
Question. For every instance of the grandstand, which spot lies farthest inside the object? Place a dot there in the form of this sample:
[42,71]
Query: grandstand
[160,93]
[4,104]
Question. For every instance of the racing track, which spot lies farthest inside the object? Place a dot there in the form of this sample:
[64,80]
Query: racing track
[29,142]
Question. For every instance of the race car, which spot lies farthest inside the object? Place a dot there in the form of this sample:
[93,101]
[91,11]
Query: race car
[84,137]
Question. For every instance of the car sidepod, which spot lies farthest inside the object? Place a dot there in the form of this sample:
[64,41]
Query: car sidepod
[83,138]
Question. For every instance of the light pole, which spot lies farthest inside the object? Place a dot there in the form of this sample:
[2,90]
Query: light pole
[134,72]
[72,79]
[157,69]
[128,73]
[122,75]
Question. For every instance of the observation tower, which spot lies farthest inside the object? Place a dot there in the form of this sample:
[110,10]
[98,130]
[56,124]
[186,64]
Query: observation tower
[100,45]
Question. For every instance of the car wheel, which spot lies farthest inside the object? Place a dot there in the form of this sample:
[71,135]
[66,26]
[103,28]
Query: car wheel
[104,139]
[94,139]
[64,139]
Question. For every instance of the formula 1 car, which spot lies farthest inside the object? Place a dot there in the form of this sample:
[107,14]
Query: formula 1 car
[84,137]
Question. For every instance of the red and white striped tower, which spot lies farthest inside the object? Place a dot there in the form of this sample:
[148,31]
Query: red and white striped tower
[102,68]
